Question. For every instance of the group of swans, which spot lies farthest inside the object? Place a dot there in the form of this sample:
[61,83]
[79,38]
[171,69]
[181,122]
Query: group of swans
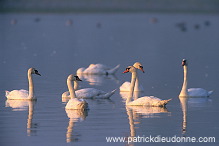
[76,97]
[143,101]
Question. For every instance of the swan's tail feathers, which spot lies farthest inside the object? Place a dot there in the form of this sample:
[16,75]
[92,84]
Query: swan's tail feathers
[164,102]
[109,94]
[113,70]
[210,92]
[7,93]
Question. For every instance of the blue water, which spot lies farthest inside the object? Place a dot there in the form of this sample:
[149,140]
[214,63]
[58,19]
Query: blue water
[58,44]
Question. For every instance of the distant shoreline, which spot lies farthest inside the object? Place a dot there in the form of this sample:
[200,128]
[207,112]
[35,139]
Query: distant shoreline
[109,6]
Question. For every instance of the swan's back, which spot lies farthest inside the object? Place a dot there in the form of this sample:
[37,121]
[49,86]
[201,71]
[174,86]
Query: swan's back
[17,94]
[76,103]
[125,87]
[88,93]
[149,101]
[198,92]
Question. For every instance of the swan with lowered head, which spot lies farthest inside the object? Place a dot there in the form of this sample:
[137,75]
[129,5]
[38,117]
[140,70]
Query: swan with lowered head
[125,87]
[74,103]
[98,69]
[24,94]
[143,101]
[89,93]
[192,92]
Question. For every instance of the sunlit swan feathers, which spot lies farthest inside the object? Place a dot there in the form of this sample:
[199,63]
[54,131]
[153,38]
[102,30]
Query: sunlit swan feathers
[143,101]
[74,103]
[91,93]
[98,69]
[24,94]
[125,87]
[192,92]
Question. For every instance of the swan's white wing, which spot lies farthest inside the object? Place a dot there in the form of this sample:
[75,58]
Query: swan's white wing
[76,103]
[88,93]
[66,94]
[197,92]
[125,87]
[17,94]
[149,101]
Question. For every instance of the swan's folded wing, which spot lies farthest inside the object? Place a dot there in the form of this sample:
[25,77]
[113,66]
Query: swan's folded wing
[18,94]
[88,93]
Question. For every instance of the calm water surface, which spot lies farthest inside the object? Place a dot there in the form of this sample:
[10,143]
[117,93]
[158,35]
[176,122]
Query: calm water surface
[57,45]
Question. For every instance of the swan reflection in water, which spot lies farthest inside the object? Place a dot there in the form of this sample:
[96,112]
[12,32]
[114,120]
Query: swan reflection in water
[97,79]
[186,102]
[23,105]
[74,116]
[137,112]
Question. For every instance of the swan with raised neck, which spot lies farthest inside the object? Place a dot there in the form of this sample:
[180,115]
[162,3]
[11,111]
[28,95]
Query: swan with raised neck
[24,94]
[74,103]
[125,87]
[192,92]
[146,100]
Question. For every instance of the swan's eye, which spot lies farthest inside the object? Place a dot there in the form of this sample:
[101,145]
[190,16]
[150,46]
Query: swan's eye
[127,69]
[141,66]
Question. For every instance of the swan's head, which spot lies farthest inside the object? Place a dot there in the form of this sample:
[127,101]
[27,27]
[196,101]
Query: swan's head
[130,69]
[138,65]
[72,77]
[184,62]
[34,71]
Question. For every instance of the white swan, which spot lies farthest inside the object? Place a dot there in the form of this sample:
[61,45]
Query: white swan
[88,92]
[146,100]
[125,87]
[74,103]
[24,94]
[98,69]
[192,91]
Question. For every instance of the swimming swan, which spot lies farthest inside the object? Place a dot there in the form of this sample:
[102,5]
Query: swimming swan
[24,94]
[74,103]
[146,100]
[125,87]
[89,92]
[192,91]
[98,69]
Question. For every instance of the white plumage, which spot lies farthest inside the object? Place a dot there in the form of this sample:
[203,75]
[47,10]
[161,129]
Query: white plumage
[97,69]
[143,101]
[24,94]
[192,92]
[74,103]
[125,87]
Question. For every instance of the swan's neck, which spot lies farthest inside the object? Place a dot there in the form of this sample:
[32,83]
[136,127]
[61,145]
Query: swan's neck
[184,91]
[76,85]
[71,89]
[132,87]
[137,83]
[31,87]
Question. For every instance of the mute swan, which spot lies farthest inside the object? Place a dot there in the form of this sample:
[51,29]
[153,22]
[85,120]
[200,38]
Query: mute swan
[24,94]
[74,103]
[192,91]
[146,100]
[88,92]
[125,87]
[98,69]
